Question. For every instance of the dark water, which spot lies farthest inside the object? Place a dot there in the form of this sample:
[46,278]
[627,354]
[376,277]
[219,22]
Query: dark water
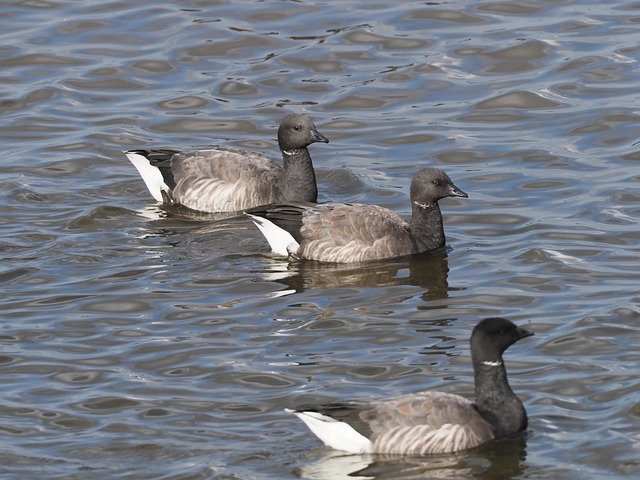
[139,343]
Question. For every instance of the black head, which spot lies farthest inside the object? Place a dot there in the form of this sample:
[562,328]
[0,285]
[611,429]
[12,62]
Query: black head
[298,131]
[430,185]
[492,336]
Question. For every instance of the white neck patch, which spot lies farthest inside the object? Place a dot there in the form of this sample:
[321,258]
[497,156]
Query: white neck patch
[422,205]
[291,152]
[488,363]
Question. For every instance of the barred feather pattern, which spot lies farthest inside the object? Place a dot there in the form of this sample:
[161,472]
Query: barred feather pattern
[221,180]
[425,424]
[347,233]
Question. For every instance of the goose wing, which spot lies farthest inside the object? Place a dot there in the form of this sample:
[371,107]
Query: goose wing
[426,423]
[224,180]
[353,233]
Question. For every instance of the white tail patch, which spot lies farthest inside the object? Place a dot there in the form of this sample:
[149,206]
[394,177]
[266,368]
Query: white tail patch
[150,174]
[333,433]
[280,240]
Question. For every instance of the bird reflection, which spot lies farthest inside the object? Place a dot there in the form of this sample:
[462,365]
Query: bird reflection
[504,458]
[180,212]
[428,271]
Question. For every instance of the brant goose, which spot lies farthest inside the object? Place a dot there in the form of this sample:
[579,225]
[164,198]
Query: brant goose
[345,233]
[228,180]
[431,422]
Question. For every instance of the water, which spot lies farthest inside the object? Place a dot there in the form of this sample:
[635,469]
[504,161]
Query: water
[142,343]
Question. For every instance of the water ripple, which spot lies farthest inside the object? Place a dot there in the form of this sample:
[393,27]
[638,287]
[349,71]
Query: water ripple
[148,342]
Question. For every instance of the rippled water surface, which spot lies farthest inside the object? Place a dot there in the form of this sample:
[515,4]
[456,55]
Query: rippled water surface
[144,343]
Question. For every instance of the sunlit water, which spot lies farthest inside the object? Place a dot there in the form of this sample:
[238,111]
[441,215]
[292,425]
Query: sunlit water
[143,343]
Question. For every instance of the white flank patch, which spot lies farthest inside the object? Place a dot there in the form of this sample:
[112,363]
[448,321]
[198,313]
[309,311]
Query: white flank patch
[280,240]
[150,174]
[333,433]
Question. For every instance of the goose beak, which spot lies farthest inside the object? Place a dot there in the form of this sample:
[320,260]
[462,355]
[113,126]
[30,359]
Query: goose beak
[456,192]
[316,136]
[523,333]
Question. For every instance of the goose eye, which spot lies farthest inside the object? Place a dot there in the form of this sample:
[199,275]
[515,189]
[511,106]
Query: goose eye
[297,128]
[436,182]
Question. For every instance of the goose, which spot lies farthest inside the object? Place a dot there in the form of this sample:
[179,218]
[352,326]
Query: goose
[347,233]
[228,180]
[431,422]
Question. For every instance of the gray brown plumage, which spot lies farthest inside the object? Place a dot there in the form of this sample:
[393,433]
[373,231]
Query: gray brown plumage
[229,180]
[343,233]
[431,422]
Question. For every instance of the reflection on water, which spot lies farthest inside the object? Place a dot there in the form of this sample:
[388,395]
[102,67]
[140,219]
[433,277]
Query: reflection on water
[143,342]
[502,459]
[426,271]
